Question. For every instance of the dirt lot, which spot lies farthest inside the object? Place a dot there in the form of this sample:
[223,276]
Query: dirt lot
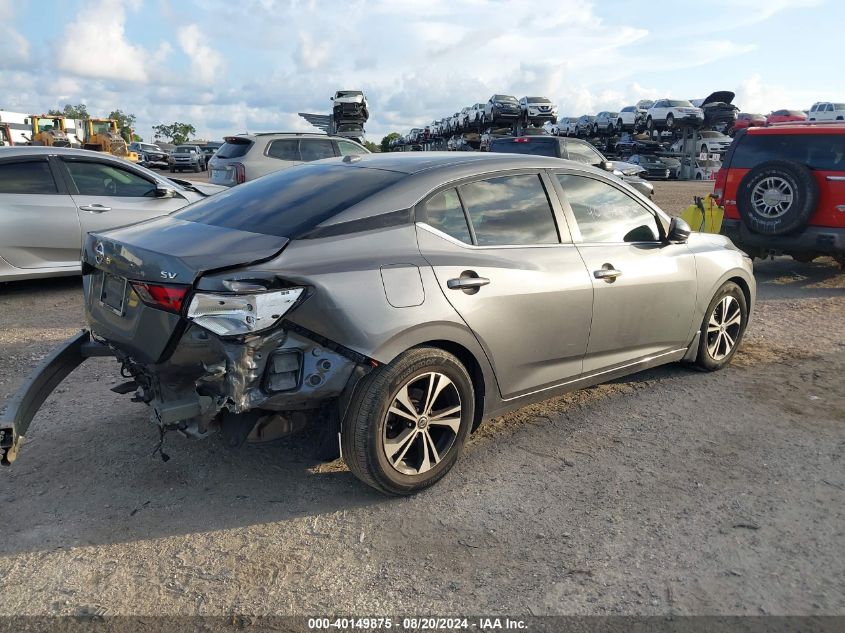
[669,492]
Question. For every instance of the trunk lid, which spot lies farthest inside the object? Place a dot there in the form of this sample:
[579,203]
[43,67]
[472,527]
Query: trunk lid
[720,96]
[165,251]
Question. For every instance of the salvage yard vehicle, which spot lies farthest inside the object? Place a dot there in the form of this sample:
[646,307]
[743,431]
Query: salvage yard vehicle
[783,190]
[186,157]
[576,150]
[397,301]
[605,123]
[249,156]
[584,125]
[537,110]
[631,119]
[669,114]
[51,197]
[709,142]
[827,111]
[5,135]
[719,112]
[49,130]
[102,135]
[153,153]
[501,110]
[785,116]
[350,106]
[654,167]
[745,120]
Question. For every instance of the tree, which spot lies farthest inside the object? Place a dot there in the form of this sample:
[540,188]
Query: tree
[125,122]
[176,133]
[372,146]
[79,111]
[385,142]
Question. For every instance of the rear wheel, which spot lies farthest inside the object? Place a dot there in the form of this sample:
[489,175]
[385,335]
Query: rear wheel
[723,327]
[407,421]
[670,121]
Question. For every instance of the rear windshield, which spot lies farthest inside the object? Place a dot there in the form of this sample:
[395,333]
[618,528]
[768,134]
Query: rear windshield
[234,150]
[816,151]
[535,146]
[290,202]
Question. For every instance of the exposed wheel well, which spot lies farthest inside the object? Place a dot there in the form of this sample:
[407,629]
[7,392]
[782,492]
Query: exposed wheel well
[469,361]
[739,281]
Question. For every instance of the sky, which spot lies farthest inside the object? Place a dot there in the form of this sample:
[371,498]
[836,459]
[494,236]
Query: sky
[231,66]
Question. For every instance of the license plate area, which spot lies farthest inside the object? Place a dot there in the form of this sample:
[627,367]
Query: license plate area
[113,293]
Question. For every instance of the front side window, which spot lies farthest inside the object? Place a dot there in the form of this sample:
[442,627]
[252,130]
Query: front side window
[315,149]
[607,214]
[33,177]
[443,211]
[284,149]
[510,210]
[100,179]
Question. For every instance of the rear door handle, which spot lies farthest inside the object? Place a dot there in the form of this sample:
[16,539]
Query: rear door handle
[836,178]
[463,283]
[95,208]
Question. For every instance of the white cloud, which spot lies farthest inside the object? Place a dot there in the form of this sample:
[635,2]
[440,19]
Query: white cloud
[206,63]
[756,95]
[14,47]
[95,44]
[311,53]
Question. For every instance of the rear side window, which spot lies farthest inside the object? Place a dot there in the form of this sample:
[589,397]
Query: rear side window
[444,212]
[534,146]
[583,153]
[350,149]
[816,151]
[234,149]
[290,202]
[315,149]
[510,210]
[284,149]
[27,177]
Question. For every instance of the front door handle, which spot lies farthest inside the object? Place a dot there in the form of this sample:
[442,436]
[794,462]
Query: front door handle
[465,283]
[95,208]
[835,178]
[607,272]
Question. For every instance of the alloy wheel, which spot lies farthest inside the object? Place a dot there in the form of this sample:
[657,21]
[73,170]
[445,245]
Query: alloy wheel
[723,327]
[772,197]
[422,423]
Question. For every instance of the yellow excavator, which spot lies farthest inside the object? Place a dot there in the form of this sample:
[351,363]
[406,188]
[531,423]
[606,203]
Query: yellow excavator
[47,129]
[102,135]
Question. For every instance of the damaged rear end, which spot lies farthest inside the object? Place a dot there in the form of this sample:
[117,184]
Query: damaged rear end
[196,308]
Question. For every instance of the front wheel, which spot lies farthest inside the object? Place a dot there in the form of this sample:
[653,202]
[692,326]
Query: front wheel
[407,422]
[722,329]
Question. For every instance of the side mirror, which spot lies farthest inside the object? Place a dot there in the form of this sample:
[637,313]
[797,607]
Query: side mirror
[679,231]
[606,165]
[165,192]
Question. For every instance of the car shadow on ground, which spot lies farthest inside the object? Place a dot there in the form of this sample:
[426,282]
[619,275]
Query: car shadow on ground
[785,278]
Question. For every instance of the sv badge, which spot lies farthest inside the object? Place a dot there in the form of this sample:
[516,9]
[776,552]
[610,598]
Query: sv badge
[167,275]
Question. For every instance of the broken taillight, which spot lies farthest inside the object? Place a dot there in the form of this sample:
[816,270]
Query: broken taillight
[161,296]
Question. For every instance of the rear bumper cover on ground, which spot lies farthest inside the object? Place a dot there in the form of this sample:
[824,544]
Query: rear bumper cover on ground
[21,409]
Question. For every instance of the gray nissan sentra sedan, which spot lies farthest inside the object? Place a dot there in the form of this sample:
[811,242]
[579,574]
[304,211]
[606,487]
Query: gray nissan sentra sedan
[395,302]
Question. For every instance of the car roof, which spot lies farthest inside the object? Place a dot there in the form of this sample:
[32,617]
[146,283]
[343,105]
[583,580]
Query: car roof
[800,127]
[256,135]
[36,150]
[426,171]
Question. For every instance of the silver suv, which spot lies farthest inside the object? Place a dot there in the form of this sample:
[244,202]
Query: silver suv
[250,156]
[187,157]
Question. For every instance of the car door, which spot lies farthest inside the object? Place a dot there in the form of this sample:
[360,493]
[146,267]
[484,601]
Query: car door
[519,285]
[644,288]
[39,225]
[109,195]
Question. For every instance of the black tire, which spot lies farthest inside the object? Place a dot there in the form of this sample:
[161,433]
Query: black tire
[197,168]
[805,196]
[706,359]
[619,126]
[649,124]
[367,420]
[670,121]
[172,170]
[704,149]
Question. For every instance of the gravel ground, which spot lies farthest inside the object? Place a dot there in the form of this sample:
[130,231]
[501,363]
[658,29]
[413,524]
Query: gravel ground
[668,492]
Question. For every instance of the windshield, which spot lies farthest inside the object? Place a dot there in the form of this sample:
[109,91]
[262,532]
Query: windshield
[290,202]
[504,98]
[49,124]
[101,127]
[184,149]
[679,103]
[348,93]
[538,100]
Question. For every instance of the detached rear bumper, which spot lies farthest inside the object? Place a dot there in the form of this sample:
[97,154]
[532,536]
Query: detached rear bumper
[21,409]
